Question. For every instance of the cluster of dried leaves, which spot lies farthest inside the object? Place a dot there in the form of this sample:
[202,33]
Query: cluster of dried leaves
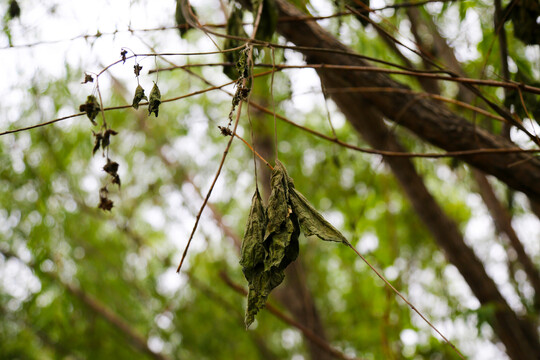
[270,241]
[102,138]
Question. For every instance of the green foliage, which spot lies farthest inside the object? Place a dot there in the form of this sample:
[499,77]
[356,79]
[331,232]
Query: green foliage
[268,21]
[234,28]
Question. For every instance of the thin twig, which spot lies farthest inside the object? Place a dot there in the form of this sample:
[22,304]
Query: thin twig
[211,188]
[254,151]
[274,103]
[406,301]
[229,143]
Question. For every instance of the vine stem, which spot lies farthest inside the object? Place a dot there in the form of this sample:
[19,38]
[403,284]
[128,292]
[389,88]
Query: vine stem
[254,151]
[226,152]
[207,197]
[406,301]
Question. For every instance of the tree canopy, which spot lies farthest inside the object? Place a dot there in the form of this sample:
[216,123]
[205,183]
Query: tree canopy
[168,171]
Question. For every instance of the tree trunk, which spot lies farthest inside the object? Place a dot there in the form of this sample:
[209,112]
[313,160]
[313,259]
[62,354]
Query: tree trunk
[436,124]
[427,118]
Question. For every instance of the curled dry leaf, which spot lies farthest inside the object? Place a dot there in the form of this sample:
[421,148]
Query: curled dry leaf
[137,69]
[155,100]
[87,78]
[104,202]
[123,54]
[139,96]
[97,142]
[91,108]
[270,241]
[311,221]
[107,138]
[253,257]
[111,167]
[14,10]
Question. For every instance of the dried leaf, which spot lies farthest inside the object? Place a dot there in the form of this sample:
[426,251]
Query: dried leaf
[155,100]
[116,180]
[311,221]
[137,69]
[97,143]
[91,108]
[282,231]
[253,256]
[106,138]
[87,78]
[104,202]
[111,167]
[139,96]
[123,54]
[279,245]
[181,21]
[271,242]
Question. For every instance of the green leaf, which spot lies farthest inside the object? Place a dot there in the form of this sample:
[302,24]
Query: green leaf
[14,11]
[155,100]
[139,96]
[268,22]
[234,27]
[181,21]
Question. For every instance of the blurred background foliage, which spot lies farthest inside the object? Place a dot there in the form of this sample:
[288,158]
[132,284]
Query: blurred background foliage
[77,282]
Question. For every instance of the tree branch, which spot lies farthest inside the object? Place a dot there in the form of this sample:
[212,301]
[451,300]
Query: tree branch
[443,128]
[424,117]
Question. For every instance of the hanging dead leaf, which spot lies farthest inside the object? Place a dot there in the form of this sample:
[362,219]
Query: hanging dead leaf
[253,257]
[104,202]
[97,141]
[107,138]
[111,167]
[139,96]
[155,100]
[137,69]
[91,108]
[123,54]
[87,78]
[311,221]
